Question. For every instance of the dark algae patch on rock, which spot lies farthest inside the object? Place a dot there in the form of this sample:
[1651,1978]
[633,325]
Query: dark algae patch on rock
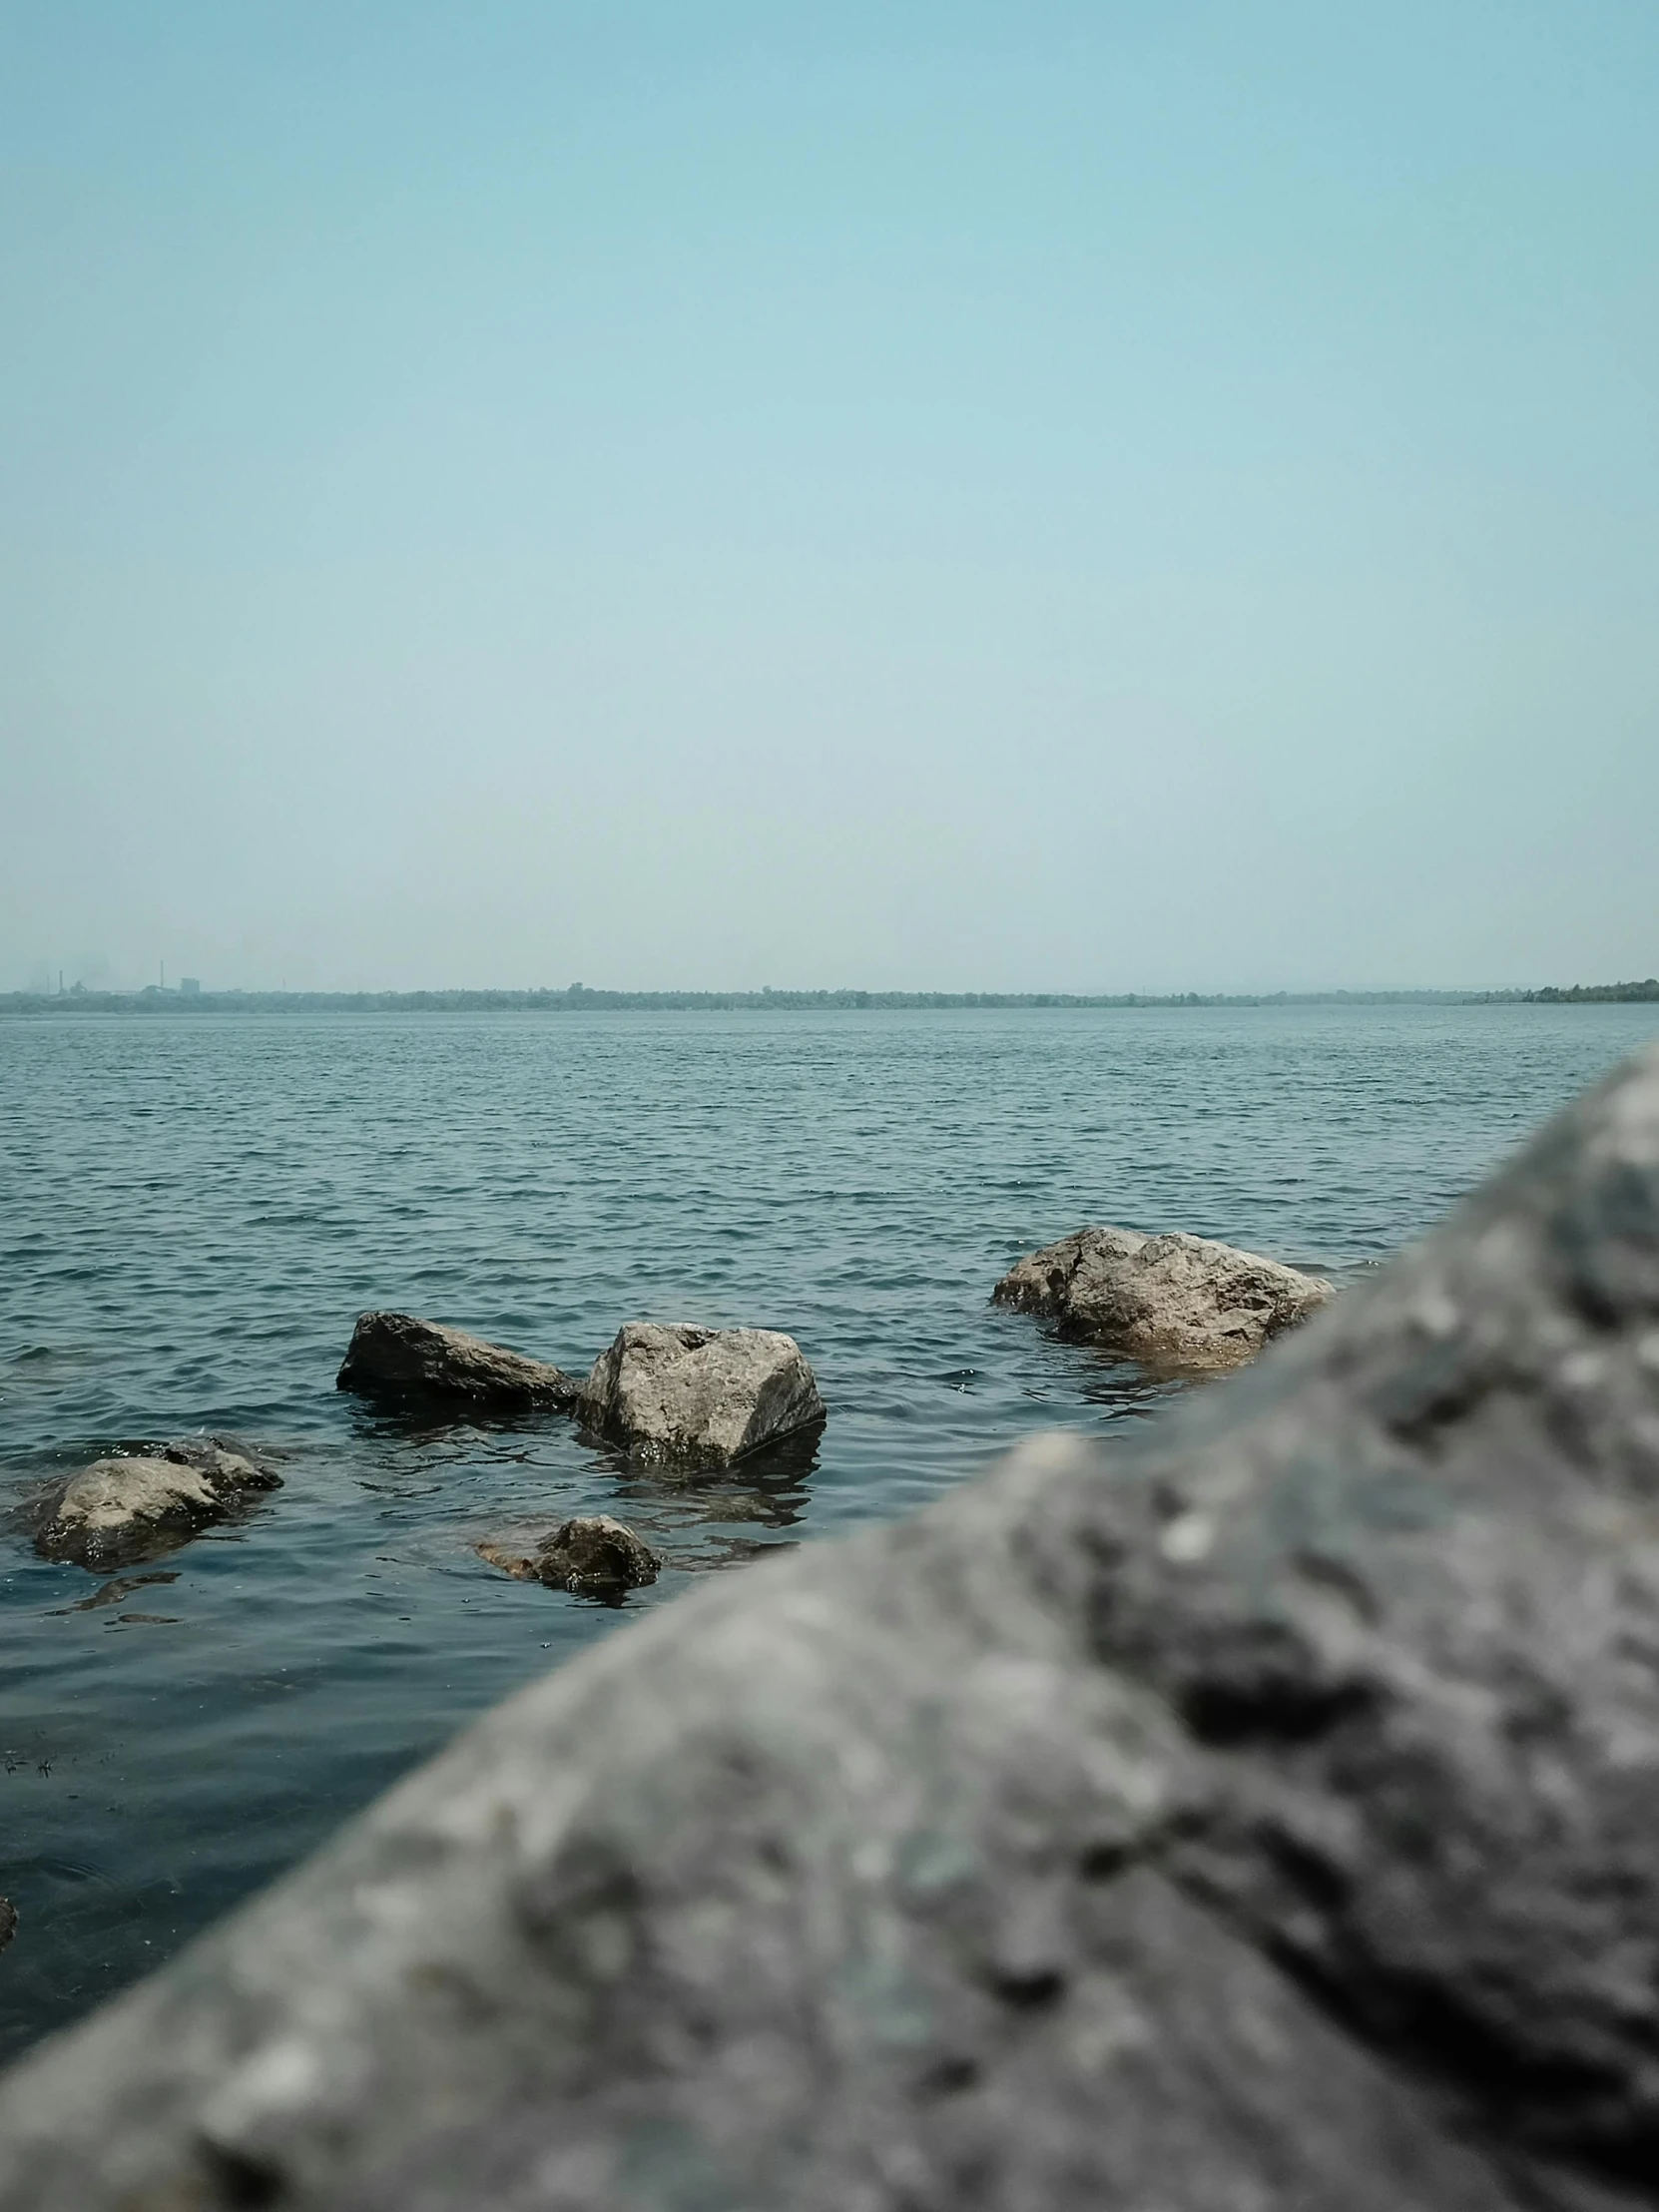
[1258,1814]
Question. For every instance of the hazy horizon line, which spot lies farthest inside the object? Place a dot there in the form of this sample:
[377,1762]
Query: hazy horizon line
[582,997]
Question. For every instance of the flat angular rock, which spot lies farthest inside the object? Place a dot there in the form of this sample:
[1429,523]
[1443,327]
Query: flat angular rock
[397,1352]
[591,1554]
[1175,1303]
[126,1508]
[671,1391]
[1256,1815]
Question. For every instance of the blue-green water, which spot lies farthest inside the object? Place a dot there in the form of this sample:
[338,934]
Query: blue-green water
[192,1211]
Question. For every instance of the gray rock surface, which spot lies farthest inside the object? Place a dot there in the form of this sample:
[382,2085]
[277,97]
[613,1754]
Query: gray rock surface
[399,1353]
[673,1392]
[127,1508]
[593,1554]
[1175,1303]
[1258,1816]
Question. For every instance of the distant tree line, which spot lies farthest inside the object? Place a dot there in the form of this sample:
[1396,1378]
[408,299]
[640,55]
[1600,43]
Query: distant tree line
[1598,993]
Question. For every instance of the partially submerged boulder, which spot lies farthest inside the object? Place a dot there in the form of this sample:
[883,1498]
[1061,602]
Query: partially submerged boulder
[592,1555]
[399,1353]
[676,1391]
[1174,1302]
[8,1921]
[125,1509]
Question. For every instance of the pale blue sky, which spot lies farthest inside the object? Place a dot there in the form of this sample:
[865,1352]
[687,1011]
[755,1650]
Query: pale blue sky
[1112,497]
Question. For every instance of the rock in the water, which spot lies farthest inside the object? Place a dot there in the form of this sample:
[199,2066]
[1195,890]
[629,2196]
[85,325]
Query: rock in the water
[122,1509]
[395,1352]
[705,1395]
[1256,1815]
[1173,1302]
[8,1921]
[591,1554]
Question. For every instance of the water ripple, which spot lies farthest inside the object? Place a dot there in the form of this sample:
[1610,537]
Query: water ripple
[192,1211]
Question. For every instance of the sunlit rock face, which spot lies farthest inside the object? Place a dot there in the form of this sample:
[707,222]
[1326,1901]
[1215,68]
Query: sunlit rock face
[1177,1304]
[1257,1814]
[674,1391]
[135,1506]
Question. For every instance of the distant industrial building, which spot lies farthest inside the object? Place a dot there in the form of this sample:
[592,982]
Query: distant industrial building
[190,986]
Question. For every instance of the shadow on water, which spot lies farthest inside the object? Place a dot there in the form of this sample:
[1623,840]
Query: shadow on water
[1131,1393]
[696,1519]
[408,1433]
[95,1919]
[113,1592]
[416,1419]
[771,1487]
[513,1476]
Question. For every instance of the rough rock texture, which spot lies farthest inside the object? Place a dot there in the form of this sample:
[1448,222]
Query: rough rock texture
[1258,1817]
[1175,1303]
[8,1921]
[397,1353]
[707,1395]
[122,1509]
[590,1554]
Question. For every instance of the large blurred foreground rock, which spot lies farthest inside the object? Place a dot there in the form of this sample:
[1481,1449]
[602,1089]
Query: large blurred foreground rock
[1177,1304]
[1262,1817]
[123,1509]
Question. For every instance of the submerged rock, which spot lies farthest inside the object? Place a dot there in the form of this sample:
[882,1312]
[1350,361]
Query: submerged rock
[672,1390]
[1255,1813]
[1172,1302]
[591,1554]
[397,1352]
[8,1921]
[126,1508]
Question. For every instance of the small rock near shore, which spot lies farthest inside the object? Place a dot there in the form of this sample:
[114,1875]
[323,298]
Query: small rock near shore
[1173,1302]
[672,1390]
[8,1921]
[122,1509]
[591,1554]
[397,1352]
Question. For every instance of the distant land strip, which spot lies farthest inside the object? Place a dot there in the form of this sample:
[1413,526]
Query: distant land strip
[1598,994]
[578,999]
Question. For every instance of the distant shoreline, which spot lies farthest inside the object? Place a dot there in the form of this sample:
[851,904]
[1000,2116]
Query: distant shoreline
[577,998]
[1598,994]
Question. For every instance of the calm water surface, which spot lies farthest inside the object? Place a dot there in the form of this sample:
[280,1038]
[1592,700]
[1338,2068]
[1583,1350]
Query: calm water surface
[192,1211]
